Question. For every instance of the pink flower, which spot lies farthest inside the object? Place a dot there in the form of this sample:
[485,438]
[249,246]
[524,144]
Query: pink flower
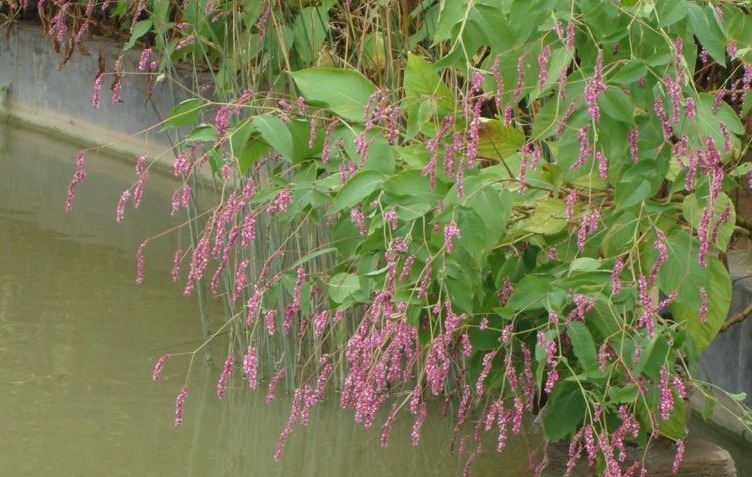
[98,82]
[660,245]
[143,62]
[615,273]
[585,149]
[120,211]
[357,218]
[703,305]
[224,376]
[419,420]
[666,405]
[140,262]
[157,373]
[450,231]
[78,177]
[661,113]
[689,105]
[594,86]
[179,405]
[176,265]
[487,363]
[281,202]
[270,320]
[633,136]
[250,367]
[678,457]
[570,201]
[600,158]
[543,58]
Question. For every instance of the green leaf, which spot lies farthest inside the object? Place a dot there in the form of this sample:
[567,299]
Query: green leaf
[675,427]
[585,264]
[671,12]
[653,357]
[692,209]
[140,29]
[309,32]
[185,113]
[342,286]
[564,411]
[583,344]
[549,218]
[682,274]
[615,103]
[344,91]
[631,193]
[629,73]
[530,293]
[622,395]
[411,188]
[421,82]
[451,13]
[496,141]
[206,133]
[275,133]
[355,190]
[705,27]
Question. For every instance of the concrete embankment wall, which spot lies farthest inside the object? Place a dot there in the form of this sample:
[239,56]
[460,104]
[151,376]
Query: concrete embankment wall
[37,92]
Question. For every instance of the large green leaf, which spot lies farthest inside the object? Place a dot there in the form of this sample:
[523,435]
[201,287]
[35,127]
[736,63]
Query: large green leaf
[549,218]
[692,208]
[564,411]
[583,344]
[140,29]
[185,113]
[705,27]
[309,32]
[530,293]
[496,141]
[422,82]
[342,286]
[342,90]
[275,133]
[683,274]
[360,186]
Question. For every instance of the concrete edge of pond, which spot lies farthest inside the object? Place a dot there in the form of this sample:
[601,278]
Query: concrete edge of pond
[84,133]
[40,94]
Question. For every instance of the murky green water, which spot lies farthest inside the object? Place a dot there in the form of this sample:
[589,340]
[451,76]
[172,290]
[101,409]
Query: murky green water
[78,341]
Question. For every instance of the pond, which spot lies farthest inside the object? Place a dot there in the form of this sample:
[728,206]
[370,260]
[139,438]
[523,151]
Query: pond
[78,342]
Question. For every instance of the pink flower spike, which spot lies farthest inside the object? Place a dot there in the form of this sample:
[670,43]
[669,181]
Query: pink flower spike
[119,213]
[678,457]
[703,305]
[158,366]
[179,405]
[226,370]
[450,231]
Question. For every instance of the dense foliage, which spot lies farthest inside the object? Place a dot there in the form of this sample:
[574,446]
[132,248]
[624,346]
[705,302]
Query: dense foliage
[503,203]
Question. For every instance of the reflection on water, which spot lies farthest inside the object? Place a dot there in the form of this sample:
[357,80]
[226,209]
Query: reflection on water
[78,341]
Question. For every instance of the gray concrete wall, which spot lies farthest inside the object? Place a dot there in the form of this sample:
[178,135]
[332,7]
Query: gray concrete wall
[34,90]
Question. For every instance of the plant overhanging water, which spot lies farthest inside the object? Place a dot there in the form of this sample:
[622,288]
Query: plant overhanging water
[512,206]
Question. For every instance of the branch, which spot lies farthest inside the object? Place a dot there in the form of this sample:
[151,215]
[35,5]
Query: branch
[737,318]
